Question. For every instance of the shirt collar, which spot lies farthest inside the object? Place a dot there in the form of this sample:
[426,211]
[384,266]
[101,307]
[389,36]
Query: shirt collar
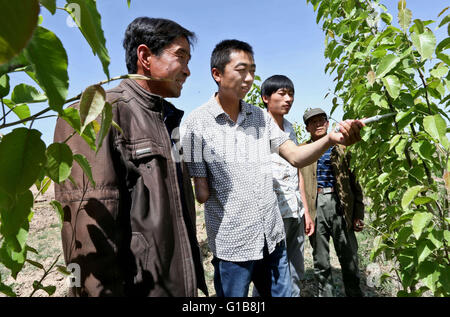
[216,110]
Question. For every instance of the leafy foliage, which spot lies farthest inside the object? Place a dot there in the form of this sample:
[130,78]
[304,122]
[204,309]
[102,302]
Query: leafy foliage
[25,160]
[403,164]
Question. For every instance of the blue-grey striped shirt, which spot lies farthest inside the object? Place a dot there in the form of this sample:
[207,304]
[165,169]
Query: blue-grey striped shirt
[325,175]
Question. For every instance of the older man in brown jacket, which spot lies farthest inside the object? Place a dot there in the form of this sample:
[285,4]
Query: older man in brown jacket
[134,233]
[335,203]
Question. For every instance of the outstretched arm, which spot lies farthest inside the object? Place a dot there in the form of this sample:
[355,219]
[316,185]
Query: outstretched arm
[309,153]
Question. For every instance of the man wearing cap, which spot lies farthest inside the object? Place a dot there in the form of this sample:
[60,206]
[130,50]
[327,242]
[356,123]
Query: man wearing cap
[335,203]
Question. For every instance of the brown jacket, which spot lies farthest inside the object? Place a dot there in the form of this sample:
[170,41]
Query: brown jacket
[129,234]
[347,188]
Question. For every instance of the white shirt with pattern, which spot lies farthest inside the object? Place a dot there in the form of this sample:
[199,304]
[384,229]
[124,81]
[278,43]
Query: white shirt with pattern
[242,208]
[285,181]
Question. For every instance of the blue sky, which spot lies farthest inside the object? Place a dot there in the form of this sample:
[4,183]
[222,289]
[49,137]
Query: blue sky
[284,35]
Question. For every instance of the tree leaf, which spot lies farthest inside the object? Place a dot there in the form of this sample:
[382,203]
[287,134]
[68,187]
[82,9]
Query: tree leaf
[59,162]
[18,19]
[22,156]
[371,77]
[404,18]
[36,264]
[443,45]
[437,128]
[85,166]
[14,217]
[50,290]
[425,43]
[401,5]
[128,2]
[386,64]
[386,17]
[86,16]
[50,5]
[49,61]
[4,85]
[59,210]
[419,222]
[7,290]
[107,116]
[91,104]
[393,85]
[424,249]
[23,93]
[410,194]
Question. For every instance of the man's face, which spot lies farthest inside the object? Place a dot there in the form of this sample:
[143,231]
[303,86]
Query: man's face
[317,126]
[238,75]
[280,102]
[171,64]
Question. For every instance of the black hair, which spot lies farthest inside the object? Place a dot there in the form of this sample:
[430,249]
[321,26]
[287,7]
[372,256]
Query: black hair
[220,56]
[155,33]
[273,83]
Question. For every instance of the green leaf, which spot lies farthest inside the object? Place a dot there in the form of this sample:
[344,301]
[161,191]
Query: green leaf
[85,166]
[50,290]
[386,64]
[4,85]
[440,71]
[49,61]
[444,20]
[410,194]
[7,290]
[86,16]
[401,5]
[386,17]
[425,43]
[424,249]
[59,162]
[437,128]
[393,142]
[22,111]
[14,216]
[91,104]
[107,116]
[36,264]
[18,19]
[22,156]
[443,45]
[419,222]
[118,128]
[128,2]
[404,18]
[59,210]
[393,85]
[23,93]
[50,5]
[72,117]
[382,178]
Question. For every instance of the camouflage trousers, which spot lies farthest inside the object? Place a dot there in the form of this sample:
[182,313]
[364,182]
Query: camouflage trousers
[330,224]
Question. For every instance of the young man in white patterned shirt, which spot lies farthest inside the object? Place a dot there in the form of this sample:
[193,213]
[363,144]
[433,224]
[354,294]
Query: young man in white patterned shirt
[227,145]
[277,93]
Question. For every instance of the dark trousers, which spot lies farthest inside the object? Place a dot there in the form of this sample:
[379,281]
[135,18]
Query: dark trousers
[329,223]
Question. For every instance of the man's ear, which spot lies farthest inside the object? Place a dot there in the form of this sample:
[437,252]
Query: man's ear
[265,99]
[144,56]
[216,74]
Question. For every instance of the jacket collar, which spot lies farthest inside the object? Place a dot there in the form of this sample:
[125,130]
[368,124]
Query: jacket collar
[144,97]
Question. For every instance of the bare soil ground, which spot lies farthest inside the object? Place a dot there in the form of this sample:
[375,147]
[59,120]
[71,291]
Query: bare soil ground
[45,237]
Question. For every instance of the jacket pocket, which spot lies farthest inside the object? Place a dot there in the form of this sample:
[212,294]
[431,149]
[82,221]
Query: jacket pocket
[141,249]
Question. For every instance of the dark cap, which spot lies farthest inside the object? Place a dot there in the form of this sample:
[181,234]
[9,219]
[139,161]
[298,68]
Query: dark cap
[309,113]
